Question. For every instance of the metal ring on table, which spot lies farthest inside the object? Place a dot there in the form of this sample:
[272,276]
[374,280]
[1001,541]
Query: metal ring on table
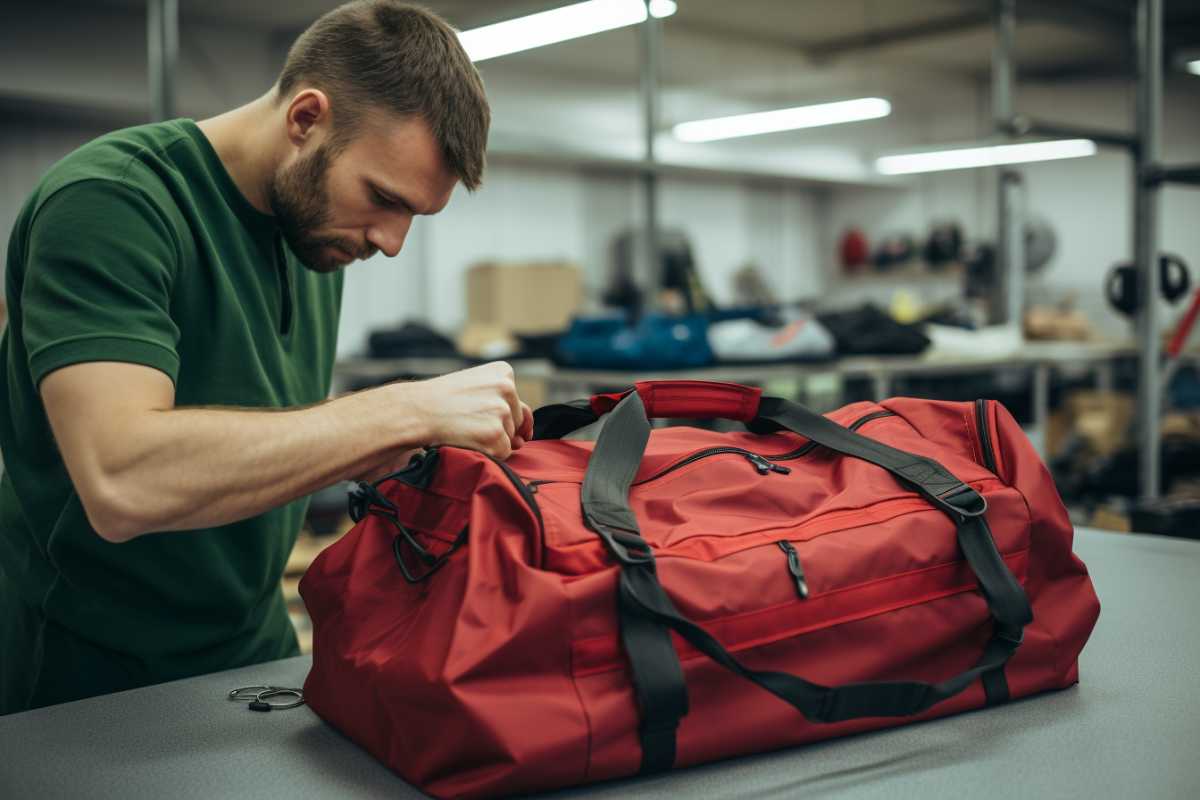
[258,697]
[278,691]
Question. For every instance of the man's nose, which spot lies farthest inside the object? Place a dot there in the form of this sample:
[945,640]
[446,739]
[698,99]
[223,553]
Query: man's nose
[389,238]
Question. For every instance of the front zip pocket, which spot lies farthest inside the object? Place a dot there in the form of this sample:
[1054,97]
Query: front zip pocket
[795,568]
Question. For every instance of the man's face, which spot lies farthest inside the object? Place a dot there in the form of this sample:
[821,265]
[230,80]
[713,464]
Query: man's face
[335,209]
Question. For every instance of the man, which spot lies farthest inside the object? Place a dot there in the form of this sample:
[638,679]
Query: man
[174,292]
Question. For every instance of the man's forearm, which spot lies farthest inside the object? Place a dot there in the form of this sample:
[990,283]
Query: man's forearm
[198,467]
[140,463]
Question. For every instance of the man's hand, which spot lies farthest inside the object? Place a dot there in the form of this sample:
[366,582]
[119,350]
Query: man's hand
[475,408]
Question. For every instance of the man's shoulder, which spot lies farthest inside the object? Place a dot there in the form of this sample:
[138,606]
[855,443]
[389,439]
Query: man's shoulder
[141,157]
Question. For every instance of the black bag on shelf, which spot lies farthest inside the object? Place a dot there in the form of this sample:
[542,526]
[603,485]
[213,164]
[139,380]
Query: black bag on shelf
[867,330]
[410,340]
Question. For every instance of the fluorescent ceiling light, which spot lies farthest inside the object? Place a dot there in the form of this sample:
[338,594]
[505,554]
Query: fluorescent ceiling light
[784,119]
[1194,67]
[558,25]
[968,157]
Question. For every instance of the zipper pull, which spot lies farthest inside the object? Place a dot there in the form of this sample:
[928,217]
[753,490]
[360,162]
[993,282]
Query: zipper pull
[765,467]
[794,567]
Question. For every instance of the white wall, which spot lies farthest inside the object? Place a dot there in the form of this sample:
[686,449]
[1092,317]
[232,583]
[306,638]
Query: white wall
[527,213]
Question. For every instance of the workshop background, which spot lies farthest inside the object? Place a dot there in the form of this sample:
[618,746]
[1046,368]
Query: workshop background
[790,258]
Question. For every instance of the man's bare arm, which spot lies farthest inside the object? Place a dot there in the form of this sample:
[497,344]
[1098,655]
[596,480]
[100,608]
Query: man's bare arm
[140,465]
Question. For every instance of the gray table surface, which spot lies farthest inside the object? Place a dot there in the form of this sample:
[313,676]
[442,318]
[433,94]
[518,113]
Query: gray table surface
[1131,728]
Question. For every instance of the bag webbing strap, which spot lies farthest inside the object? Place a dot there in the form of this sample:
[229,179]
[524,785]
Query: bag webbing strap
[646,612]
[657,674]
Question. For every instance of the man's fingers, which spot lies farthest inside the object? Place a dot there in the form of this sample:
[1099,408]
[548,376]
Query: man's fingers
[510,425]
[516,407]
[502,450]
[526,429]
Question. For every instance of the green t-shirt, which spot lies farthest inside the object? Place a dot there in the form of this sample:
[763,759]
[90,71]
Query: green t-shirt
[138,247]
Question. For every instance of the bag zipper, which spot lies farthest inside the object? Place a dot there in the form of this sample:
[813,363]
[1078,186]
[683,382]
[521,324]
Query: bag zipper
[794,567]
[763,463]
[985,437]
[526,494]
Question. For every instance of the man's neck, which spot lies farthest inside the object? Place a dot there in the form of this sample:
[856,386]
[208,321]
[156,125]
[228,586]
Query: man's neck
[244,142]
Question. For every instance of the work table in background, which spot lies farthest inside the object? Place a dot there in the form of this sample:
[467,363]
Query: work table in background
[1129,729]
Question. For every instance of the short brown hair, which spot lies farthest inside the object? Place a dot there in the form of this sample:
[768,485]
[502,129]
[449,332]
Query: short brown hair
[401,58]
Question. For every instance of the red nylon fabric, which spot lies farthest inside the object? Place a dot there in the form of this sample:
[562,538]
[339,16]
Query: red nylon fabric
[503,673]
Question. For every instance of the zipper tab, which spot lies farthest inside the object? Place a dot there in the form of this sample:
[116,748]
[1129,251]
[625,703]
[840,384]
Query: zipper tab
[794,568]
[765,467]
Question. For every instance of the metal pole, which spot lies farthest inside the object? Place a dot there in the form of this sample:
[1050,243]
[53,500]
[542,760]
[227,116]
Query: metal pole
[1041,405]
[1145,239]
[651,278]
[1007,304]
[162,40]
[1013,190]
[1004,18]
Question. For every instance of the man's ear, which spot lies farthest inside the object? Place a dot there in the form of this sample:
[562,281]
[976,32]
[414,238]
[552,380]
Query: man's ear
[307,113]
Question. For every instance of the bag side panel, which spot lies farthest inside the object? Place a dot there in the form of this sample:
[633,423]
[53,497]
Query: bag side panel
[475,698]
[1065,605]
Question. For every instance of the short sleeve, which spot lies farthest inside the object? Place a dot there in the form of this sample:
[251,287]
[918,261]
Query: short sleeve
[99,268]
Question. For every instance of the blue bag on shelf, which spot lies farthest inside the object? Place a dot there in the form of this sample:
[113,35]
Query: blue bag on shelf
[654,341]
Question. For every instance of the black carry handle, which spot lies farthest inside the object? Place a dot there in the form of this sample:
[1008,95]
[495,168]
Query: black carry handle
[646,612]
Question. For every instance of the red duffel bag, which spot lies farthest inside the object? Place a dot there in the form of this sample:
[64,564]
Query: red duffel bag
[660,599]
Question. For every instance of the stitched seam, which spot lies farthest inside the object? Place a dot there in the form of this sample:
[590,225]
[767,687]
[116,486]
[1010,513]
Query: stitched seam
[842,590]
[83,337]
[587,762]
[909,504]
[977,456]
[844,620]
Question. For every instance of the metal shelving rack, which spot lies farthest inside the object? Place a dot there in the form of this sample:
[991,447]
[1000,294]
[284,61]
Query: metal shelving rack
[1149,175]
[162,47]
[651,35]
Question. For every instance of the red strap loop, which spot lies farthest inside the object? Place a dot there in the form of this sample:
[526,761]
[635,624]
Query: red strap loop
[689,400]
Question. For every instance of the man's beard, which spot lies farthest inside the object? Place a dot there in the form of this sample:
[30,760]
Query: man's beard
[299,199]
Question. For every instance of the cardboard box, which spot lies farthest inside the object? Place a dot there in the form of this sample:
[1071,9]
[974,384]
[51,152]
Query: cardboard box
[524,298]
[1102,421]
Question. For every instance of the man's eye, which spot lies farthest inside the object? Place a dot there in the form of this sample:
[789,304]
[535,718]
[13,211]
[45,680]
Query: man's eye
[382,200]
